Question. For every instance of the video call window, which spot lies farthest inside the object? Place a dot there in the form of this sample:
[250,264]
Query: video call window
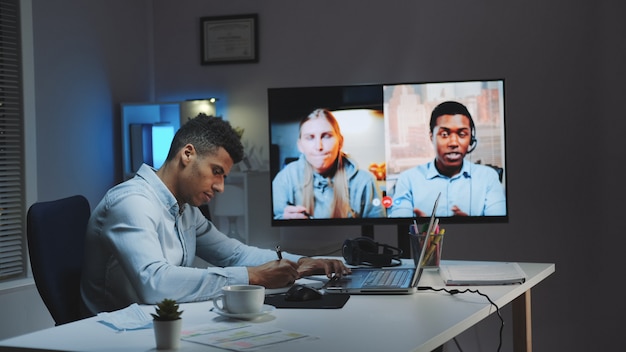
[407,110]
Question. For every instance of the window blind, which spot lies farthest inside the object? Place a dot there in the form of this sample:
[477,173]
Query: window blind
[12,234]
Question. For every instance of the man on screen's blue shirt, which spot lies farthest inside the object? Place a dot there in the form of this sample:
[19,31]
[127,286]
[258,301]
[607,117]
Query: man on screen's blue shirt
[476,190]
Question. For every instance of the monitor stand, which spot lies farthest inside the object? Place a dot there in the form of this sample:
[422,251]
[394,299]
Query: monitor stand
[404,242]
[367,230]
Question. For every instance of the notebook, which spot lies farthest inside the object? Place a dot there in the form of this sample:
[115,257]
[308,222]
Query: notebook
[482,274]
[384,280]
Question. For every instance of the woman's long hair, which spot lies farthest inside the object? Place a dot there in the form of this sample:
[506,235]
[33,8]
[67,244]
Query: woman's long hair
[336,176]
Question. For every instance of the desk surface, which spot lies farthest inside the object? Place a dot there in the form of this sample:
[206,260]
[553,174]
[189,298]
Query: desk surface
[428,320]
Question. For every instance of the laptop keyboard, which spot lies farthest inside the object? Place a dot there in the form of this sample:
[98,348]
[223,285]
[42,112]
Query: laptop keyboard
[387,278]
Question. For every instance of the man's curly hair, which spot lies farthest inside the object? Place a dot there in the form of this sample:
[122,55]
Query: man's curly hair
[207,134]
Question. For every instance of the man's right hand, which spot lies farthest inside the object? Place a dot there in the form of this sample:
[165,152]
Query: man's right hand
[418,213]
[274,274]
[458,212]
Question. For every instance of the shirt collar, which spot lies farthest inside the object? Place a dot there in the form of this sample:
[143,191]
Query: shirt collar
[163,193]
[320,182]
[432,171]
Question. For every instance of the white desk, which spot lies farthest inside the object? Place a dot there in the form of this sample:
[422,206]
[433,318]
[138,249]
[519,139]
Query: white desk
[418,322]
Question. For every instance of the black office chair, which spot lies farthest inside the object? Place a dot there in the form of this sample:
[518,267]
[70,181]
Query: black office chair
[56,238]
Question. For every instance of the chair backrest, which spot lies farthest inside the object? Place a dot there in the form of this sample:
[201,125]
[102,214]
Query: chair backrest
[56,239]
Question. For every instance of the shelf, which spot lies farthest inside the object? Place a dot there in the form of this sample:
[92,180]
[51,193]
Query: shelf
[254,225]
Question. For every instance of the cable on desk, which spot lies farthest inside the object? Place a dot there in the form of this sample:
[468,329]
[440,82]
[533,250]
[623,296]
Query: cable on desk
[457,291]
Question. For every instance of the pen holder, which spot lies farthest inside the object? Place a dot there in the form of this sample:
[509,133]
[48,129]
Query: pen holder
[432,257]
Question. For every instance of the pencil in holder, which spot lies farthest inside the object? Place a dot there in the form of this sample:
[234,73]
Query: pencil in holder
[434,246]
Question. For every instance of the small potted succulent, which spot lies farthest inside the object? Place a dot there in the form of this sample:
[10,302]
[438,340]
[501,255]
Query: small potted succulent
[167,324]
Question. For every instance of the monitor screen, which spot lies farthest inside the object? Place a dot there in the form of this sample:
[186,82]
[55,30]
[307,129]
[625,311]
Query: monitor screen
[382,153]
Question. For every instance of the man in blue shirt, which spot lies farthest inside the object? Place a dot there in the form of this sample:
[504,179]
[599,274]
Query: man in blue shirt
[143,236]
[467,189]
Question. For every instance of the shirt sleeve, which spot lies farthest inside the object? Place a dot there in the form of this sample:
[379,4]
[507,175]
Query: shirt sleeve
[368,193]
[402,197]
[495,200]
[152,257]
[220,250]
[280,190]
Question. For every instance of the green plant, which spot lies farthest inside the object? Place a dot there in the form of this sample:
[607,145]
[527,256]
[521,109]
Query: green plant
[167,309]
[239,131]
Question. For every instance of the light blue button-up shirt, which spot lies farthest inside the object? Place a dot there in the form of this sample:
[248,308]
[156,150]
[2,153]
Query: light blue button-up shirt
[476,190]
[140,248]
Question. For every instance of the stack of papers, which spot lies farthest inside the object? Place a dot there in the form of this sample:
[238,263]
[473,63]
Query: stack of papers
[482,274]
[129,318]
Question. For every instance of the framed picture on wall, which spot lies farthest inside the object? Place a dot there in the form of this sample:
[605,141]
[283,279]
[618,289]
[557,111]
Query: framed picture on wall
[229,39]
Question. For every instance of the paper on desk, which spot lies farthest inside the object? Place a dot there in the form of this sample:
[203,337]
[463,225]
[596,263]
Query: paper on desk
[242,336]
[129,318]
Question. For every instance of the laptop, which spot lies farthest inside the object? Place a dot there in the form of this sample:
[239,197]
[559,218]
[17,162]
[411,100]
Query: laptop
[384,280]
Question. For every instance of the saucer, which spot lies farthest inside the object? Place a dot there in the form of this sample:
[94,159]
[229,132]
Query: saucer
[245,316]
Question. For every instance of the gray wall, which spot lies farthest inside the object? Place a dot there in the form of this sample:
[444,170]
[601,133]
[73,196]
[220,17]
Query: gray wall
[89,57]
[563,66]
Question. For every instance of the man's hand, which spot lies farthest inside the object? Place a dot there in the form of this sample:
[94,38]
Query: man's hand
[418,213]
[457,211]
[274,274]
[295,212]
[317,266]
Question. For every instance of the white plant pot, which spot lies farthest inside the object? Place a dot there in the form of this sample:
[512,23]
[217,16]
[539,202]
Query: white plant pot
[167,334]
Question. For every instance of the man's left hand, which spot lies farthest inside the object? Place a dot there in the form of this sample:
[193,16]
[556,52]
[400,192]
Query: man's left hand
[319,266]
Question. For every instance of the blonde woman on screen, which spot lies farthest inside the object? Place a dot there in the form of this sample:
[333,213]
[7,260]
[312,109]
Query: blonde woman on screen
[324,182]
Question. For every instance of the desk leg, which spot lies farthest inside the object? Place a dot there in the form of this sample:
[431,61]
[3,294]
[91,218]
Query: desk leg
[522,324]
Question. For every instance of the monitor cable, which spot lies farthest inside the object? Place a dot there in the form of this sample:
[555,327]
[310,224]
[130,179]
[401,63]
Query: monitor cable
[457,291]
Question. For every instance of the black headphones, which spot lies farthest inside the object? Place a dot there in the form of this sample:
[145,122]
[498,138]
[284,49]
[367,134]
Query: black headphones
[473,140]
[364,250]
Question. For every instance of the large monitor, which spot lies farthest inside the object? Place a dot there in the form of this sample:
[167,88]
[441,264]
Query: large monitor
[398,145]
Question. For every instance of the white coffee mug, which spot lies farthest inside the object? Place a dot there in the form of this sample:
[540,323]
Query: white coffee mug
[240,299]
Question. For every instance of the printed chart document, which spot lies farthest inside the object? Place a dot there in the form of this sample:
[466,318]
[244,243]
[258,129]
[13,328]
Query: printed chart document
[242,336]
[482,274]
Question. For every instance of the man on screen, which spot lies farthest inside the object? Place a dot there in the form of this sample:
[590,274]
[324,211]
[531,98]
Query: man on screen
[467,189]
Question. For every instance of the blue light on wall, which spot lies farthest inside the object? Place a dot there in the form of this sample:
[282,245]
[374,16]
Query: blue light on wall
[149,144]
[142,143]
[162,136]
